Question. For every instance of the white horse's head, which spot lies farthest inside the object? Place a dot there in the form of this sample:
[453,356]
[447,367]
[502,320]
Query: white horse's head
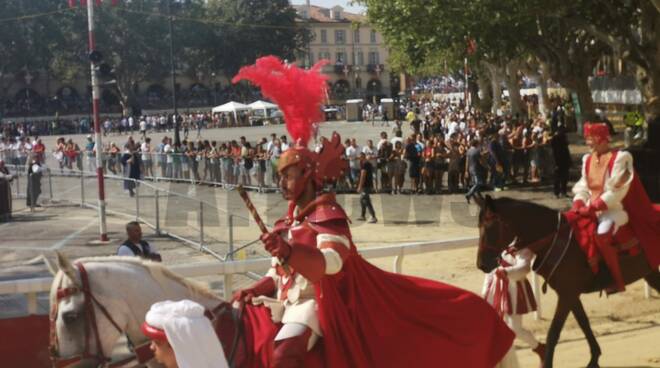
[124,288]
[85,336]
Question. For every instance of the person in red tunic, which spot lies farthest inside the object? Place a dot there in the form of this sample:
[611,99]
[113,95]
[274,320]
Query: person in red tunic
[367,317]
[610,191]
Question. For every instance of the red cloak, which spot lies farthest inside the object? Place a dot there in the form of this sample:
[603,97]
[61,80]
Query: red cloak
[374,318]
[644,219]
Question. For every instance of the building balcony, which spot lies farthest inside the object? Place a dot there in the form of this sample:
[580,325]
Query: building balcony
[375,68]
[342,68]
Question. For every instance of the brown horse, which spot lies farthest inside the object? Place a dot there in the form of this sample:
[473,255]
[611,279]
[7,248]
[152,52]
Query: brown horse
[559,259]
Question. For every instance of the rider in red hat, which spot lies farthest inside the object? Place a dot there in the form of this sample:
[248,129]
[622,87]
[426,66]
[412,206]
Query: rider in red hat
[610,191]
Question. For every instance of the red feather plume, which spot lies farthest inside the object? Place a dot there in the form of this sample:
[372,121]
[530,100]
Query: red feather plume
[298,92]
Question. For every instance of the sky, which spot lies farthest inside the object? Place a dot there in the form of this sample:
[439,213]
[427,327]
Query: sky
[330,3]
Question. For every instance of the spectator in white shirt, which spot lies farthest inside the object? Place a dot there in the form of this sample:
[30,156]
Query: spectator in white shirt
[352,152]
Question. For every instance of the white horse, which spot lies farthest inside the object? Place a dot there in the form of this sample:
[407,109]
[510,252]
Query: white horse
[125,287]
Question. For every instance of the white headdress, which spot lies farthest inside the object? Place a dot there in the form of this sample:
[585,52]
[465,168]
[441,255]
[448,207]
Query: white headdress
[189,332]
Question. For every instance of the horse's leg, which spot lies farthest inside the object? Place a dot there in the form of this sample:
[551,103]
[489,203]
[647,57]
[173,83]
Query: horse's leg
[582,320]
[653,279]
[564,305]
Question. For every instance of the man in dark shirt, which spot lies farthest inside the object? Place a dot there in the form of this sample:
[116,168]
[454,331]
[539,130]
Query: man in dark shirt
[365,187]
[497,158]
[414,157]
[135,246]
[475,168]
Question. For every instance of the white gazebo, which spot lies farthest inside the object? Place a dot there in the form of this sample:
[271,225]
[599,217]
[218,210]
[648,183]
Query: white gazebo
[264,106]
[232,107]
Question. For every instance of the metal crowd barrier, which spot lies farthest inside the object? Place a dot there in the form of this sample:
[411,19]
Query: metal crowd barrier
[139,209]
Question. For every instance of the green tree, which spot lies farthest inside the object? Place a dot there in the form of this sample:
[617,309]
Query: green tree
[631,28]
[240,31]
[26,43]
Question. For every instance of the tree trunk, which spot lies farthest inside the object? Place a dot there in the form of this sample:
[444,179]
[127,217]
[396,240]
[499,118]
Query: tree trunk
[495,77]
[483,81]
[126,97]
[584,97]
[540,77]
[649,86]
[512,80]
[473,89]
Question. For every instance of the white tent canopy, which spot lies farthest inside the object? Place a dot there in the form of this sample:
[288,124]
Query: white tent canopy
[232,107]
[262,105]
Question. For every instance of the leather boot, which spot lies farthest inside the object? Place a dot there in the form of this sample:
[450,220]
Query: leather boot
[540,351]
[290,353]
[611,259]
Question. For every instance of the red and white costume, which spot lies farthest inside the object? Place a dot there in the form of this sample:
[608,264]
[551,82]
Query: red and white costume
[610,185]
[295,304]
[367,317]
[507,289]
[610,191]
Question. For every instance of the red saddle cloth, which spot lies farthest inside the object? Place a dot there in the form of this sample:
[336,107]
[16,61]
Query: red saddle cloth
[584,232]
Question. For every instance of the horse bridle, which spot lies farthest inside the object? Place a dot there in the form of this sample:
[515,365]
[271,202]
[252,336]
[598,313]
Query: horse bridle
[536,245]
[142,352]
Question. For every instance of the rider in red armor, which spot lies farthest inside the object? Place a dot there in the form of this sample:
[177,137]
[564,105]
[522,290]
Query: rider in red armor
[366,317]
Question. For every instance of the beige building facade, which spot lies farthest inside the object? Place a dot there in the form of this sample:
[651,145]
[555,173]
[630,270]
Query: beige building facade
[356,51]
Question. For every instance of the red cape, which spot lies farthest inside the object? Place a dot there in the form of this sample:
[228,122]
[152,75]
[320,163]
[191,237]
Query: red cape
[374,318]
[644,219]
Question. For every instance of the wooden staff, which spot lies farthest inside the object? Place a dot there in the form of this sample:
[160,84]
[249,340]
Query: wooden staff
[257,219]
[253,211]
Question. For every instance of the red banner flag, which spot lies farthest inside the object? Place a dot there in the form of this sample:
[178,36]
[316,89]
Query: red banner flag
[72,3]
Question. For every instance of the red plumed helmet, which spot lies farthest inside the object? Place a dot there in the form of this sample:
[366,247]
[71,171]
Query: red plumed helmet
[298,92]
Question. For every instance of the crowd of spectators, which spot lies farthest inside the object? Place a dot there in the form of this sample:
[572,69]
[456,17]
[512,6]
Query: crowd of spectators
[438,147]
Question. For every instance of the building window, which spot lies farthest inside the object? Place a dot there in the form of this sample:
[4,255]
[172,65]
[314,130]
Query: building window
[340,37]
[356,36]
[360,57]
[324,55]
[374,58]
[324,36]
[341,57]
[373,36]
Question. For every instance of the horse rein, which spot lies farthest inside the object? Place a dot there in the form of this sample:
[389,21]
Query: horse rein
[142,352]
[531,246]
[237,319]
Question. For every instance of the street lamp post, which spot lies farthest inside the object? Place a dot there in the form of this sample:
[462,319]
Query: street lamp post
[215,92]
